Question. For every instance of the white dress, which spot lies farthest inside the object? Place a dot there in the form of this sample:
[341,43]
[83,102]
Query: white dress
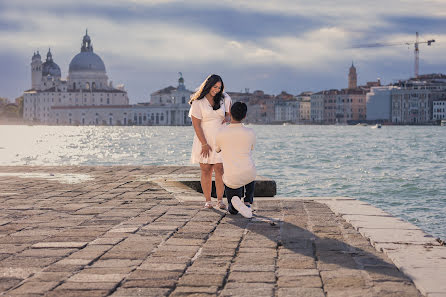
[211,123]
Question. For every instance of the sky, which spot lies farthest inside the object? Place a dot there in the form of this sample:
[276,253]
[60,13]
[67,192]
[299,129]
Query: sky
[273,45]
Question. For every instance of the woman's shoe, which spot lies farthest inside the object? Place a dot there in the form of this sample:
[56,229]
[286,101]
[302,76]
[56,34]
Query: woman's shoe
[221,205]
[208,205]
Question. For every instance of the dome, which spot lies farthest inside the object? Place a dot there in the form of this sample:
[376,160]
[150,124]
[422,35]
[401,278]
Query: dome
[50,68]
[86,61]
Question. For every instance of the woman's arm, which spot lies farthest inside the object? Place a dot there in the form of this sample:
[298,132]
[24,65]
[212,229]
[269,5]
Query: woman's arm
[205,147]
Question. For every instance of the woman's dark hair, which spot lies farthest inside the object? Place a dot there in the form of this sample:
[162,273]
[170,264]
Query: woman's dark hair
[238,111]
[206,87]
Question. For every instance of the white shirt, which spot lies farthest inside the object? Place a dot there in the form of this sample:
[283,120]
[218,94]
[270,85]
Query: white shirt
[236,143]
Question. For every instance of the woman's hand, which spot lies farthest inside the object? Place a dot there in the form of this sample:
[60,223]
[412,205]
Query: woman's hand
[206,150]
[226,119]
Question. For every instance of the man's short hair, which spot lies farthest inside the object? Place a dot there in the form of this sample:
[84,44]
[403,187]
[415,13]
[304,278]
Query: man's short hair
[238,111]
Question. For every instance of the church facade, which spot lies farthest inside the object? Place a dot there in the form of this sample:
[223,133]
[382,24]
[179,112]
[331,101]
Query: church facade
[87,97]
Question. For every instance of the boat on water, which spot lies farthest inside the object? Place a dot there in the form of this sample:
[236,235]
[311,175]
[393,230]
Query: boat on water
[443,123]
[377,126]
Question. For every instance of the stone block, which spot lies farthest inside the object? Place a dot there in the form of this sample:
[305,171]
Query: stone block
[78,245]
[34,288]
[252,277]
[142,292]
[201,280]
[300,292]
[94,278]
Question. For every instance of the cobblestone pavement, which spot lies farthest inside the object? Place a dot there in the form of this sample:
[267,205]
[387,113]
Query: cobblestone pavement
[109,231]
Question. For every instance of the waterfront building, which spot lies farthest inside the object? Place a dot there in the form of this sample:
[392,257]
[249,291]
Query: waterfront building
[261,106]
[286,111]
[304,100]
[439,109]
[286,108]
[85,97]
[378,102]
[317,108]
[168,106]
[412,101]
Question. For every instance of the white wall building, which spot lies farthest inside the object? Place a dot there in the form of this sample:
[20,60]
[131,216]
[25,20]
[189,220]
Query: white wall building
[379,104]
[286,111]
[317,107]
[88,98]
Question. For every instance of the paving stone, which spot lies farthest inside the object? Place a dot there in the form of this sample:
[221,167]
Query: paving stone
[195,291]
[149,283]
[254,268]
[59,245]
[252,277]
[299,281]
[7,283]
[301,292]
[89,277]
[143,292]
[102,285]
[34,287]
[247,289]
[148,274]
[78,293]
[116,263]
[163,266]
[18,272]
[201,280]
[50,276]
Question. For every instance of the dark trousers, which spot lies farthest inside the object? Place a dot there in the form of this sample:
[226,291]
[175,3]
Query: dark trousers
[246,190]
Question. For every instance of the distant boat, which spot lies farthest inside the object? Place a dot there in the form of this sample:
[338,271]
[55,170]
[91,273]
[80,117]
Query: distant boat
[376,126]
[443,123]
[362,124]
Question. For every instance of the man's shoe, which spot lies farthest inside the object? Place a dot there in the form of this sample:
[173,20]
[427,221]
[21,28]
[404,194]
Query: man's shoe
[241,207]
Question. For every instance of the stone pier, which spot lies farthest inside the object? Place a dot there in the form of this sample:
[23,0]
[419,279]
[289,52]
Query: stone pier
[139,231]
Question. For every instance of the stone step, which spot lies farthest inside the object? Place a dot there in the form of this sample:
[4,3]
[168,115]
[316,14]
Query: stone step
[265,187]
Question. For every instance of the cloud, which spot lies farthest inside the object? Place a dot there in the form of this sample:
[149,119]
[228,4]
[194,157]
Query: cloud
[256,44]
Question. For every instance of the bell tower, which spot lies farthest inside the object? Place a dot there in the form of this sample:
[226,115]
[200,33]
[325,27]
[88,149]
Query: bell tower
[352,78]
[36,71]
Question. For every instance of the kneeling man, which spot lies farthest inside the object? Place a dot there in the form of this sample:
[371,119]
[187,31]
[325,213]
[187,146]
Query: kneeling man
[236,143]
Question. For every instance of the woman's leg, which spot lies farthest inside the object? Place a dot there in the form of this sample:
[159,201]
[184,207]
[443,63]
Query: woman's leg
[206,180]
[219,186]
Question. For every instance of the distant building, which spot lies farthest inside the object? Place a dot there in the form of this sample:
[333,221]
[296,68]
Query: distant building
[352,78]
[85,98]
[304,100]
[412,100]
[439,109]
[317,107]
[379,104]
[261,106]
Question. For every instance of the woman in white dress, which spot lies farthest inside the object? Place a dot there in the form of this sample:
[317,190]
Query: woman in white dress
[209,111]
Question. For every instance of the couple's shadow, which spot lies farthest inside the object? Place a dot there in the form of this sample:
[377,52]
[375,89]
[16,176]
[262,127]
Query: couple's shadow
[329,252]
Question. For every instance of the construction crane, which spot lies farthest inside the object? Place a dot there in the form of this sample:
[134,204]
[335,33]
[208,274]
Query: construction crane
[416,48]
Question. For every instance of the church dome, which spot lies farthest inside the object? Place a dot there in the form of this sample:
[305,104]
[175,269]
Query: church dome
[49,67]
[86,60]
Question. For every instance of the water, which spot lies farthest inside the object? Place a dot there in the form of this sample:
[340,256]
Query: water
[400,169]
